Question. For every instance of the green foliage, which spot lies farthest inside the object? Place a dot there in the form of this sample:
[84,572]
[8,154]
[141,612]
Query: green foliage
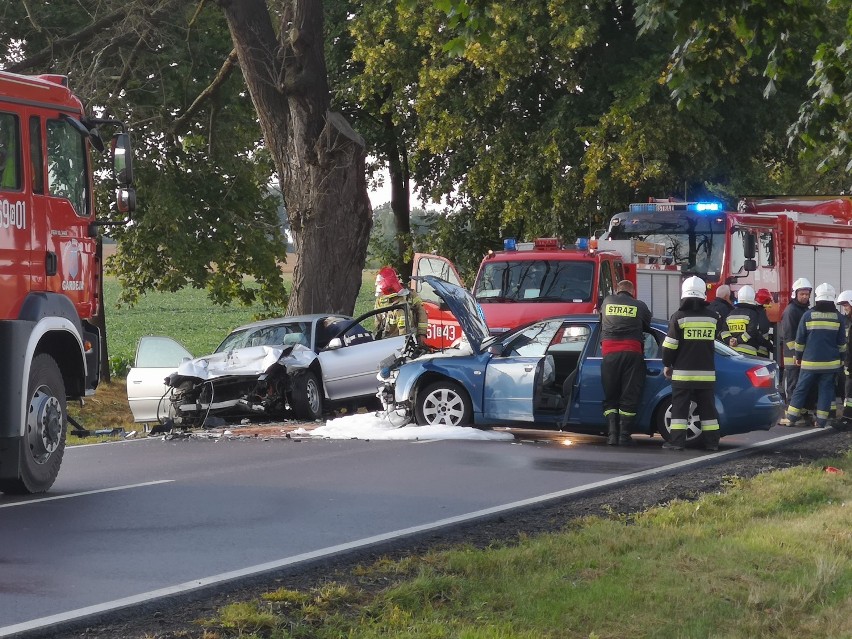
[204,217]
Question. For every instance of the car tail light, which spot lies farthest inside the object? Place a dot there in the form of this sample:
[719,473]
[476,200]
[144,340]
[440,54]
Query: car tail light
[761,377]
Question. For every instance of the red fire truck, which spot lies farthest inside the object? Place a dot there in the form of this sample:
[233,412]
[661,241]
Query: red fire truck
[50,269]
[524,282]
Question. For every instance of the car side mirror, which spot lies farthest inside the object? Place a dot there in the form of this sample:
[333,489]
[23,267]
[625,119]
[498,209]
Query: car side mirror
[496,350]
[334,344]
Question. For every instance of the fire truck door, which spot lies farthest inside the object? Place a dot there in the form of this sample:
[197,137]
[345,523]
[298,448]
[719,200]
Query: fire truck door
[443,329]
[15,215]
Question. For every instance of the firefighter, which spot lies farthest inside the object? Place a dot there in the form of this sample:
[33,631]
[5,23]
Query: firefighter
[844,305]
[747,328]
[390,291]
[797,307]
[764,298]
[722,307]
[820,348]
[689,362]
[623,321]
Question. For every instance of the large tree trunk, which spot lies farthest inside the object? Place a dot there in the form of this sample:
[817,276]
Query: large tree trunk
[400,197]
[318,156]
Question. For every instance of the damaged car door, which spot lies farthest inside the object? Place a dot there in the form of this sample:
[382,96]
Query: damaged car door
[156,358]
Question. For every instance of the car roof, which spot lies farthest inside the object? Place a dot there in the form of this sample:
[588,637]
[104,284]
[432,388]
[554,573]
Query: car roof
[594,317]
[287,320]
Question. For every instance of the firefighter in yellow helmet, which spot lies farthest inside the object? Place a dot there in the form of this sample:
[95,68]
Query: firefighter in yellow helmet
[390,292]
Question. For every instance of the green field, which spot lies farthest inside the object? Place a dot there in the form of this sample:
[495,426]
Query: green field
[187,316]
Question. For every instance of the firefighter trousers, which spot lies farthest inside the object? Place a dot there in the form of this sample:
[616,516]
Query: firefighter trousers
[705,400]
[824,381]
[623,379]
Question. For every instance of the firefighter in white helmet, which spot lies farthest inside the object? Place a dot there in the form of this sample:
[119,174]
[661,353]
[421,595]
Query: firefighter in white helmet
[689,362]
[820,349]
[747,325]
[844,304]
[796,308]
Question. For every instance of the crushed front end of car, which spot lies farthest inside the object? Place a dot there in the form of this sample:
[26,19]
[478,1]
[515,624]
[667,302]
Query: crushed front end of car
[253,381]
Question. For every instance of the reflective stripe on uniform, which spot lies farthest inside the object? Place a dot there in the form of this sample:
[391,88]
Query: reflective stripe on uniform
[693,376]
[624,413]
[745,349]
[709,424]
[818,366]
[789,361]
[821,325]
[679,424]
[670,342]
[610,411]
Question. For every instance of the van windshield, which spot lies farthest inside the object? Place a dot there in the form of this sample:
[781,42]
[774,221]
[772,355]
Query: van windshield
[535,281]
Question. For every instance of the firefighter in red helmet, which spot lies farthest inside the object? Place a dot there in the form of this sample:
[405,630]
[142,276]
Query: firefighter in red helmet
[390,292]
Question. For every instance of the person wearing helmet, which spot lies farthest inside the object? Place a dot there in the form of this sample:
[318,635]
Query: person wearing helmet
[844,305]
[764,299]
[820,348]
[722,306]
[689,362]
[747,327]
[790,319]
[624,319]
[391,292]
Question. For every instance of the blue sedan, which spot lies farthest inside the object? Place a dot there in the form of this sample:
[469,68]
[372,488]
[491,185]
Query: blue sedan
[547,375]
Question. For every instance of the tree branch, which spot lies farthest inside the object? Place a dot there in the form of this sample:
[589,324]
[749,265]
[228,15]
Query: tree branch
[223,74]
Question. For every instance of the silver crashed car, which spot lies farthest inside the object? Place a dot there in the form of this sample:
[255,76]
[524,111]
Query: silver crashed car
[299,367]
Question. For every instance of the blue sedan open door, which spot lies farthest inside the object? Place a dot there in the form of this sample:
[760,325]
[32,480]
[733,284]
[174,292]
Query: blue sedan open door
[514,371]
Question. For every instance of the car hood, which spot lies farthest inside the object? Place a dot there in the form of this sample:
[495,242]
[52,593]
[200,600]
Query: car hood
[253,360]
[464,308]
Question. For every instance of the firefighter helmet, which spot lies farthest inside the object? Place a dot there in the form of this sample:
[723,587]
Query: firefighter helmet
[746,295]
[825,293]
[693,287]
[802,282]
[763,296]
[387,282]
[845,297]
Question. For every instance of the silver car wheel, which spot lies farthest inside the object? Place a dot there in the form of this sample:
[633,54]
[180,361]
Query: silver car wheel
[443,406]
[312,393]
[693,426]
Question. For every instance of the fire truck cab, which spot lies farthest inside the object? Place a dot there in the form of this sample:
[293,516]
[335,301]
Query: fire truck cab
[524,282]
[50,270]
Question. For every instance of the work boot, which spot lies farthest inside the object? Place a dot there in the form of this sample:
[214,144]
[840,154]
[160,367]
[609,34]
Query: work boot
[612,421]
[624,429]
[677,440]
[711,440]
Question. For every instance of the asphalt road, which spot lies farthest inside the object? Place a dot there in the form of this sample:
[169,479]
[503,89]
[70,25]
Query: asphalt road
[129,522]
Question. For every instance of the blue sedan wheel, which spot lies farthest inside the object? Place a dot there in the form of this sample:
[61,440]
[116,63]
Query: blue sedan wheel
[443,403]
[664,422]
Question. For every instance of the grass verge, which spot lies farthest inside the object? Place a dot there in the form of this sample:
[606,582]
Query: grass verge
[769,557]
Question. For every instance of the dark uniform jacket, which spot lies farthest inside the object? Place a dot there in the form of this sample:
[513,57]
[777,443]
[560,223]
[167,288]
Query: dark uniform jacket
[689,348]
[789,327]
[624,317]
[749,325]
[821,339]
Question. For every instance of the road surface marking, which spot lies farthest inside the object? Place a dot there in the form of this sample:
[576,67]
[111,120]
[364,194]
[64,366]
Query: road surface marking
[87,492]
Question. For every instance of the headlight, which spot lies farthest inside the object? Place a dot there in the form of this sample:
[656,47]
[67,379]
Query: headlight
[203,363]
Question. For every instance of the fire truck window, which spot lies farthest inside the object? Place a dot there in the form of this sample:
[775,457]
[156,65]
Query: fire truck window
[767,249]
[36,157]
[737,252]
[10,155]
[605,283]
[66,165]
[619,272]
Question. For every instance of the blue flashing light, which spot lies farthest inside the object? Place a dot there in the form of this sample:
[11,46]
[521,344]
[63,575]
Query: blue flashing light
[704,207]
[582,243]
[643,208]
[510,244]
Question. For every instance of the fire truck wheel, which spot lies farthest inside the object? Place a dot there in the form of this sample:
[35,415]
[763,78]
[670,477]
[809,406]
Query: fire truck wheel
[443,403]
[663,421]
[43,443]
[306,396]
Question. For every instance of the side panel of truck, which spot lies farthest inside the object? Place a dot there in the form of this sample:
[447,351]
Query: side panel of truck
[660,290]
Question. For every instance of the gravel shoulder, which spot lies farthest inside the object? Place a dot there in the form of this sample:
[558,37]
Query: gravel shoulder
[173,618]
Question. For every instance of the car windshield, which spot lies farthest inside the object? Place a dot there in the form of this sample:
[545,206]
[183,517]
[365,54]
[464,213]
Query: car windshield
[268,335]
[693,241]
[535,281]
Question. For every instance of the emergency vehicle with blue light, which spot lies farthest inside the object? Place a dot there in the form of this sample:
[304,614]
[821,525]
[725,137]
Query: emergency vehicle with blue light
[51,313]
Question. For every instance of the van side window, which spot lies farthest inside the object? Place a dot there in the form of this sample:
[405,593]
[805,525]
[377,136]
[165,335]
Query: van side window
[10,153]
[66,165]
